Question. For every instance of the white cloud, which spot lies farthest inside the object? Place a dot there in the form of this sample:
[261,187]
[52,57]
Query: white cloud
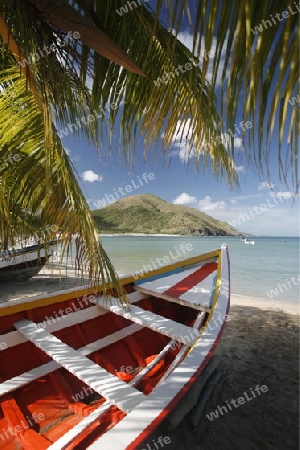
[276,220]
[206,204]
[247,197]
[285,195]
[209,55]
[268,186]
[181,140]
[187,40]
[185,154]
[185,199]
[183,132]
[265,185]
[238,142]
[91,176]
[239,168]
[76,158]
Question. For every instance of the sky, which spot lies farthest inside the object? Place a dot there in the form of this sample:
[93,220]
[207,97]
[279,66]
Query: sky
[258,207]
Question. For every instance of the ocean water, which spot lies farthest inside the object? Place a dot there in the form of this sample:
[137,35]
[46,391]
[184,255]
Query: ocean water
[268,270]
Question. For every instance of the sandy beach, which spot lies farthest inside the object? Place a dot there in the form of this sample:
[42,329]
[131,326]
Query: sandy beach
[260,346]
[140,234]
[48,280]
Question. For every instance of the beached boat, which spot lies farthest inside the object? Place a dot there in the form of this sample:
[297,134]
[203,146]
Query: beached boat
[80,371]
[18,264]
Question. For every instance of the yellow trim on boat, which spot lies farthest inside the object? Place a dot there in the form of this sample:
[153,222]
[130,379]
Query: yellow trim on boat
[50,299]
[218,284]
[214,302]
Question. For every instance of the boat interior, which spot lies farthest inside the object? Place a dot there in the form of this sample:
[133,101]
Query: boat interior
[70,370]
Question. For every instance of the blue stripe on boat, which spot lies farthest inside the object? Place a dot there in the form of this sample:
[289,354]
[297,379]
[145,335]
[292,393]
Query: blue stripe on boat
[161,275]
[213,290]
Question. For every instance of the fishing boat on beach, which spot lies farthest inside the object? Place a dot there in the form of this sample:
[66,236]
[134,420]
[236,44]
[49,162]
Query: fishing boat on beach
[80,370]
[23,262]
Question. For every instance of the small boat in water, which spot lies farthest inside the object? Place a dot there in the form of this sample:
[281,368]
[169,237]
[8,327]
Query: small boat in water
[18,264]
[248,241]
[80,371]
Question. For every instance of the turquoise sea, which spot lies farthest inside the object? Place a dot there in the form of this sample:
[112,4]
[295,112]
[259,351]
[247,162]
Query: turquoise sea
[267,270]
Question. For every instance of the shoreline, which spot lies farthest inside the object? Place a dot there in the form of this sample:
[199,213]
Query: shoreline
[140,234]
[166,235]
[50,280]
[265,304]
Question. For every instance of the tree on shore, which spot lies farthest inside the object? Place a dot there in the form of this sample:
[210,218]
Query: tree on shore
[89,66]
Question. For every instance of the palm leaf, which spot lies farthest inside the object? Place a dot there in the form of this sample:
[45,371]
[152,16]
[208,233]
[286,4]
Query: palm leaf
[257,70]
[40,193]
[145,107]
[261,67]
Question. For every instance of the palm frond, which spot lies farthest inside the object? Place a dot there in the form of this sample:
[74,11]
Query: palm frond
[256,66]
[145,108]
[39,192]
[256,48]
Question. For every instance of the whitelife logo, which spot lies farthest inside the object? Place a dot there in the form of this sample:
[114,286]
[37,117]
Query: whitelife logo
[236,403]
[159,443]
[123,191]
[131,5]
[23,426]
[160,262]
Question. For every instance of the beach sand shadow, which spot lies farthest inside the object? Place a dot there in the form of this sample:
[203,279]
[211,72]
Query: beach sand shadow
[41,284]
[258,347]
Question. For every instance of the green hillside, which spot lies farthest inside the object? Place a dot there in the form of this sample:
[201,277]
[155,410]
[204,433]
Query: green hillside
[150,214]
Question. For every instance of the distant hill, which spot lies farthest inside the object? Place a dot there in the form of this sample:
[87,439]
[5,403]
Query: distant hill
[150,214]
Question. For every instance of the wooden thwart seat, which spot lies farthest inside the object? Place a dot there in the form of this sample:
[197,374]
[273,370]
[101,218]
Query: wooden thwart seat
[169,298]
[21,380]
[100,380]
[72,434]
[75,432]
[192,287]
[52,324]
[177,331]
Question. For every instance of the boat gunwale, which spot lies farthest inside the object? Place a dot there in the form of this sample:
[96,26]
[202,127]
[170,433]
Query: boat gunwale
[17,306]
